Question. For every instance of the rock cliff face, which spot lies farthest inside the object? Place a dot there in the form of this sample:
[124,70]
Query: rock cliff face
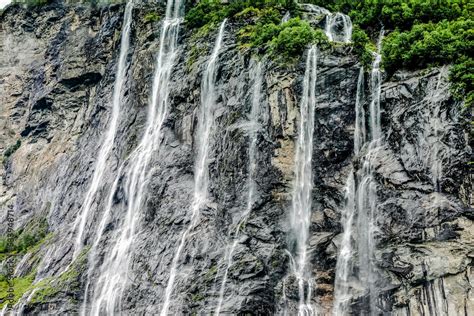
[58,66]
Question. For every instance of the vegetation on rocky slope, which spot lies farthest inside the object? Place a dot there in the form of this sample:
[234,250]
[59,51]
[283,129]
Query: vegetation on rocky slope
[24,239]
[10,150]
[27,240]
[420,34]
[33,3]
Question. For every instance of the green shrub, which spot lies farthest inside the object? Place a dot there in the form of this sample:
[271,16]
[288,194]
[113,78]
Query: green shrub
[429,44]
[204,12]
[285,41]
[23,240]
[10,150]
[294,37]
[447,42]
[401,14]
[462,77]
[363,47]
[151,17]
[68,280]
[213,11]
[20,286]
[31,3]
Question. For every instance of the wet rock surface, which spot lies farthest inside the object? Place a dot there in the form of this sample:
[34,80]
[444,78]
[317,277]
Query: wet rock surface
[56,77]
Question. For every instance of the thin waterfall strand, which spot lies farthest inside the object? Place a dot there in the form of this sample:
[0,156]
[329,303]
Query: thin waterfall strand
[360,132]
[109,288]
[108,142]
[366,193]
[251,191]
[375,83]
[436,162]
[361,202]
[344,264]
[338,27]
[300,217]
[201,177]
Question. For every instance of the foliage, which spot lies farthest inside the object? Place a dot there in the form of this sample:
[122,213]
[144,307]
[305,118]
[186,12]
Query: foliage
[20,286]
[401,14]
[36,3]
[429,44]
[462,77]
[362,46]
[261,26]
[151,17]
[213,11]
[31,3]
[287,40]
[10,150]
[447,42]
[25,239]
[294,36]
[69,279]
[425,33]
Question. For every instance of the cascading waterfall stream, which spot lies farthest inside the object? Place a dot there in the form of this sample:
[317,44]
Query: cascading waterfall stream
[338,27]
[436,163]
[202,139]
[361,202]
[113,277]
[434,131]
[255,112]
[360,133]
[300,216]
[366,193]
[108,142]
[342,294]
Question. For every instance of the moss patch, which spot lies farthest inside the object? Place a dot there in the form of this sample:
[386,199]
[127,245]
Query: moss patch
[66,282]
[151,17]
[20,286]
[25,239]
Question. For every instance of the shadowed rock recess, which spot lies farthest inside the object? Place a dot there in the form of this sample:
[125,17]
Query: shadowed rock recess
[58,67]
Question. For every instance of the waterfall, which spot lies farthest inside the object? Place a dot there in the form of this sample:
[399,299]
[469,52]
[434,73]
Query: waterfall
[108,290]
[361,202]
[255,112]
[343,267]
[338,27]
[375,81]
[360,133]
[300,217]
[108,142]
[437,129]
[286,17]
[202,139]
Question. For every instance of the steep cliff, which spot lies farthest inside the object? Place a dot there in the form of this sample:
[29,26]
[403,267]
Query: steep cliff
[58,70]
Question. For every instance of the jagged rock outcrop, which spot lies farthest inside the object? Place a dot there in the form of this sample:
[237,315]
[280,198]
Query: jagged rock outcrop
[57,67]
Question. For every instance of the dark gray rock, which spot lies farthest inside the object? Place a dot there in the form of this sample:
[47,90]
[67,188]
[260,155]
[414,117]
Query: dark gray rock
[57,73]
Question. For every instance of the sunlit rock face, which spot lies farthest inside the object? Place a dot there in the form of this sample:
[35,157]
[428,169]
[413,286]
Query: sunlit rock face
[58,68]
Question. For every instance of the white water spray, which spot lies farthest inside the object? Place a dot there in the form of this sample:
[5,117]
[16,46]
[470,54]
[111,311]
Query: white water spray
[113,276]
[107,145]
[437,130]
[338,27]
[342,288]
[255,113]
[360,133]
[300,217]
[361,202]
[286,17]
[201,176]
